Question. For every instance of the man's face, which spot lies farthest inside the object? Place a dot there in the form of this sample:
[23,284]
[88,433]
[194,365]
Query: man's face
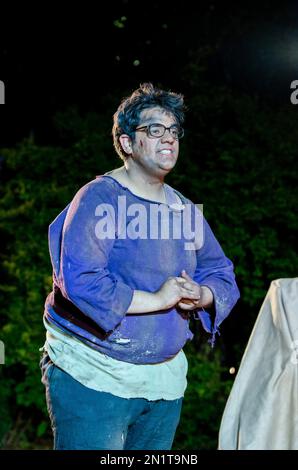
[156,155]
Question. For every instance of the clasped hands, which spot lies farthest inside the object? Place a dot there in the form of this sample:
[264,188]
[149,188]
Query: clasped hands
[183,292]
[195,292]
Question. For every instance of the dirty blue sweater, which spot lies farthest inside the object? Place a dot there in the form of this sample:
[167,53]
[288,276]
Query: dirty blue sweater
[109,242]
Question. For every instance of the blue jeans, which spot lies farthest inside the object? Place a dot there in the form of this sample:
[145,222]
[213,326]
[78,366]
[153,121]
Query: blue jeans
[85,419]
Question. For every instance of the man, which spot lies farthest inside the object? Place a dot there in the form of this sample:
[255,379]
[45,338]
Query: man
[131,258]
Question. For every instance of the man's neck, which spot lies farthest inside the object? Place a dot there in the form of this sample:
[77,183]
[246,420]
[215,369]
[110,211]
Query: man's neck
[147,186]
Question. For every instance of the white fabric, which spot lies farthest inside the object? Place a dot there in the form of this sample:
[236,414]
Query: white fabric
[166,380]
[262,410]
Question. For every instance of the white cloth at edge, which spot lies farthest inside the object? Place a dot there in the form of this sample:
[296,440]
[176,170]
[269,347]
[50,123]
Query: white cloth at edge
[262,410]
[166,380]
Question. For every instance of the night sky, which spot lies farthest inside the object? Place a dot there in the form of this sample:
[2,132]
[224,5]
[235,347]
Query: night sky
[55,57]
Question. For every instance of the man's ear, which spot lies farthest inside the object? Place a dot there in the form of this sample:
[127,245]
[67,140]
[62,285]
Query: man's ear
[125,142]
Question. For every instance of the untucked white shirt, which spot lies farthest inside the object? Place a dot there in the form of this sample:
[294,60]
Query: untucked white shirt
[166,380]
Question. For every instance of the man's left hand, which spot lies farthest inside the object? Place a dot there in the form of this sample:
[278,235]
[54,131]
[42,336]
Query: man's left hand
[204,296]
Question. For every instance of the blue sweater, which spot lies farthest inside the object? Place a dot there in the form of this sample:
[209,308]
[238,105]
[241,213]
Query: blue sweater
[104,245]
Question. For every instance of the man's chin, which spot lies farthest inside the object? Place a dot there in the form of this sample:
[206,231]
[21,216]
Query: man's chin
[166,168]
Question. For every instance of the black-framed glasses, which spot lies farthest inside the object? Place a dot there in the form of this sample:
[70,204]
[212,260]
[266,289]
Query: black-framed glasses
[158,130]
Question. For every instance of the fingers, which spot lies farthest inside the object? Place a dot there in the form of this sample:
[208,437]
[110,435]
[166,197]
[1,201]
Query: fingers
[186,276]
[190,284]
[188,289]
[187,294]
[186,304]
[186,284]
[183,306]
[191,301]
[187,301]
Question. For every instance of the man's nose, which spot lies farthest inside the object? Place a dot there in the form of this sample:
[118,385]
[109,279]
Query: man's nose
[167,137]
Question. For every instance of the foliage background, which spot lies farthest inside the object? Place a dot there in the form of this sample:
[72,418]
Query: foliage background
[238,158]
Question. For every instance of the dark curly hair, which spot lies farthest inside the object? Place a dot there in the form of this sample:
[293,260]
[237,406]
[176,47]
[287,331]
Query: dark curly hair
[127,116]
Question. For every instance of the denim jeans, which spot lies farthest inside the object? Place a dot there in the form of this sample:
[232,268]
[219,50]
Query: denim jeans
[86,419]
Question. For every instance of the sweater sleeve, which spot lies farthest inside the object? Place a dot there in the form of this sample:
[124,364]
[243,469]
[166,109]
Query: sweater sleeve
[85,278]
[215,271]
